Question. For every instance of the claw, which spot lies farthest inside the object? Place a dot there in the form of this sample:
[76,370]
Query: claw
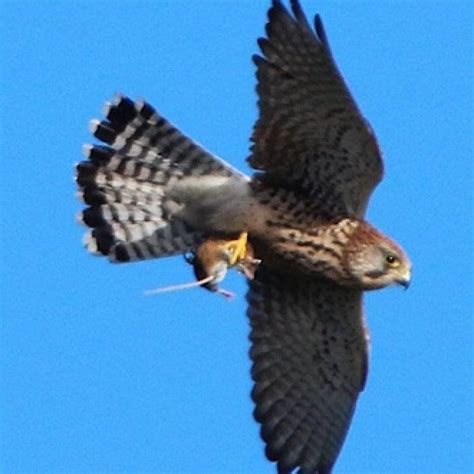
[212,258]
[248,265]
[237,249]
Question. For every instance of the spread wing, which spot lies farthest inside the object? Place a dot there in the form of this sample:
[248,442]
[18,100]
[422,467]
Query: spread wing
[310,135]
[309,353]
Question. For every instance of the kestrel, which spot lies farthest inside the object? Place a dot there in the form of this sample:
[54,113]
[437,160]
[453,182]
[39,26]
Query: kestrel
[153,192]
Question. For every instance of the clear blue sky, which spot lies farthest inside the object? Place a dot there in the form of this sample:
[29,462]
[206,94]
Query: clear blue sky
[95,377]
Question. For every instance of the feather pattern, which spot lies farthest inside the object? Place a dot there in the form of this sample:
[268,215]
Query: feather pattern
[124,182]
[153,192]
[309,356]
[310,135]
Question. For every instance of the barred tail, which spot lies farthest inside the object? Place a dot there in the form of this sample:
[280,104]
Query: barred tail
[125,183]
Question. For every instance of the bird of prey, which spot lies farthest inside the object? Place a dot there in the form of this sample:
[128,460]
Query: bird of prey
[153,192]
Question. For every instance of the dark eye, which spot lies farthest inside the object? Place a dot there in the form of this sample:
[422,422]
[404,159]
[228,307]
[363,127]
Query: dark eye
[392,260]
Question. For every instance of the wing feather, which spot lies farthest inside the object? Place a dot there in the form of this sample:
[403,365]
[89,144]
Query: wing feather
[309,353]
[310,134]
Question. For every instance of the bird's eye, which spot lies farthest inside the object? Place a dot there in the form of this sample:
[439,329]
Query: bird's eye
[392,260]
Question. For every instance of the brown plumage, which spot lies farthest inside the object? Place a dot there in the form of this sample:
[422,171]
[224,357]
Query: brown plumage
[153,192]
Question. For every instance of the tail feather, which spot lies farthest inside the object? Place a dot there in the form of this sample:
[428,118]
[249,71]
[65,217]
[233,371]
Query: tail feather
[124,184]
[131,242]
[108,160]
[136,128]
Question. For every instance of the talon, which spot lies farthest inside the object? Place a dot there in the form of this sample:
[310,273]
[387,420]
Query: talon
[248,266]
[214,256]
[238,249]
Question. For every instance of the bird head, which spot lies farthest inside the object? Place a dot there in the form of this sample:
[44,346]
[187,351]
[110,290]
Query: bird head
[375,261]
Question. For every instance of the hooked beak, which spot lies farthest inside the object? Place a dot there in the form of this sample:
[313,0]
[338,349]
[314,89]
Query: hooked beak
[405,279]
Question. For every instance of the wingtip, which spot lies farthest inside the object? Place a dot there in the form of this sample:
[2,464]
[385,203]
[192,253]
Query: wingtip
[300,16]
[277,8]
[320,31]
[257,59]
[296,8]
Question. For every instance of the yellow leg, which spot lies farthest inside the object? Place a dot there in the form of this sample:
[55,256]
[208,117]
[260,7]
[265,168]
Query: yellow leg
[238,249]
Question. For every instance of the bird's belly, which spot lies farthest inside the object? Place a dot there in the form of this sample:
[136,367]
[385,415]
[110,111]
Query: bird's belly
[291,249]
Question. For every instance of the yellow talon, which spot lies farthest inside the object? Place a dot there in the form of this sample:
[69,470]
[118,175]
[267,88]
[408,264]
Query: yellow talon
[238,249]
